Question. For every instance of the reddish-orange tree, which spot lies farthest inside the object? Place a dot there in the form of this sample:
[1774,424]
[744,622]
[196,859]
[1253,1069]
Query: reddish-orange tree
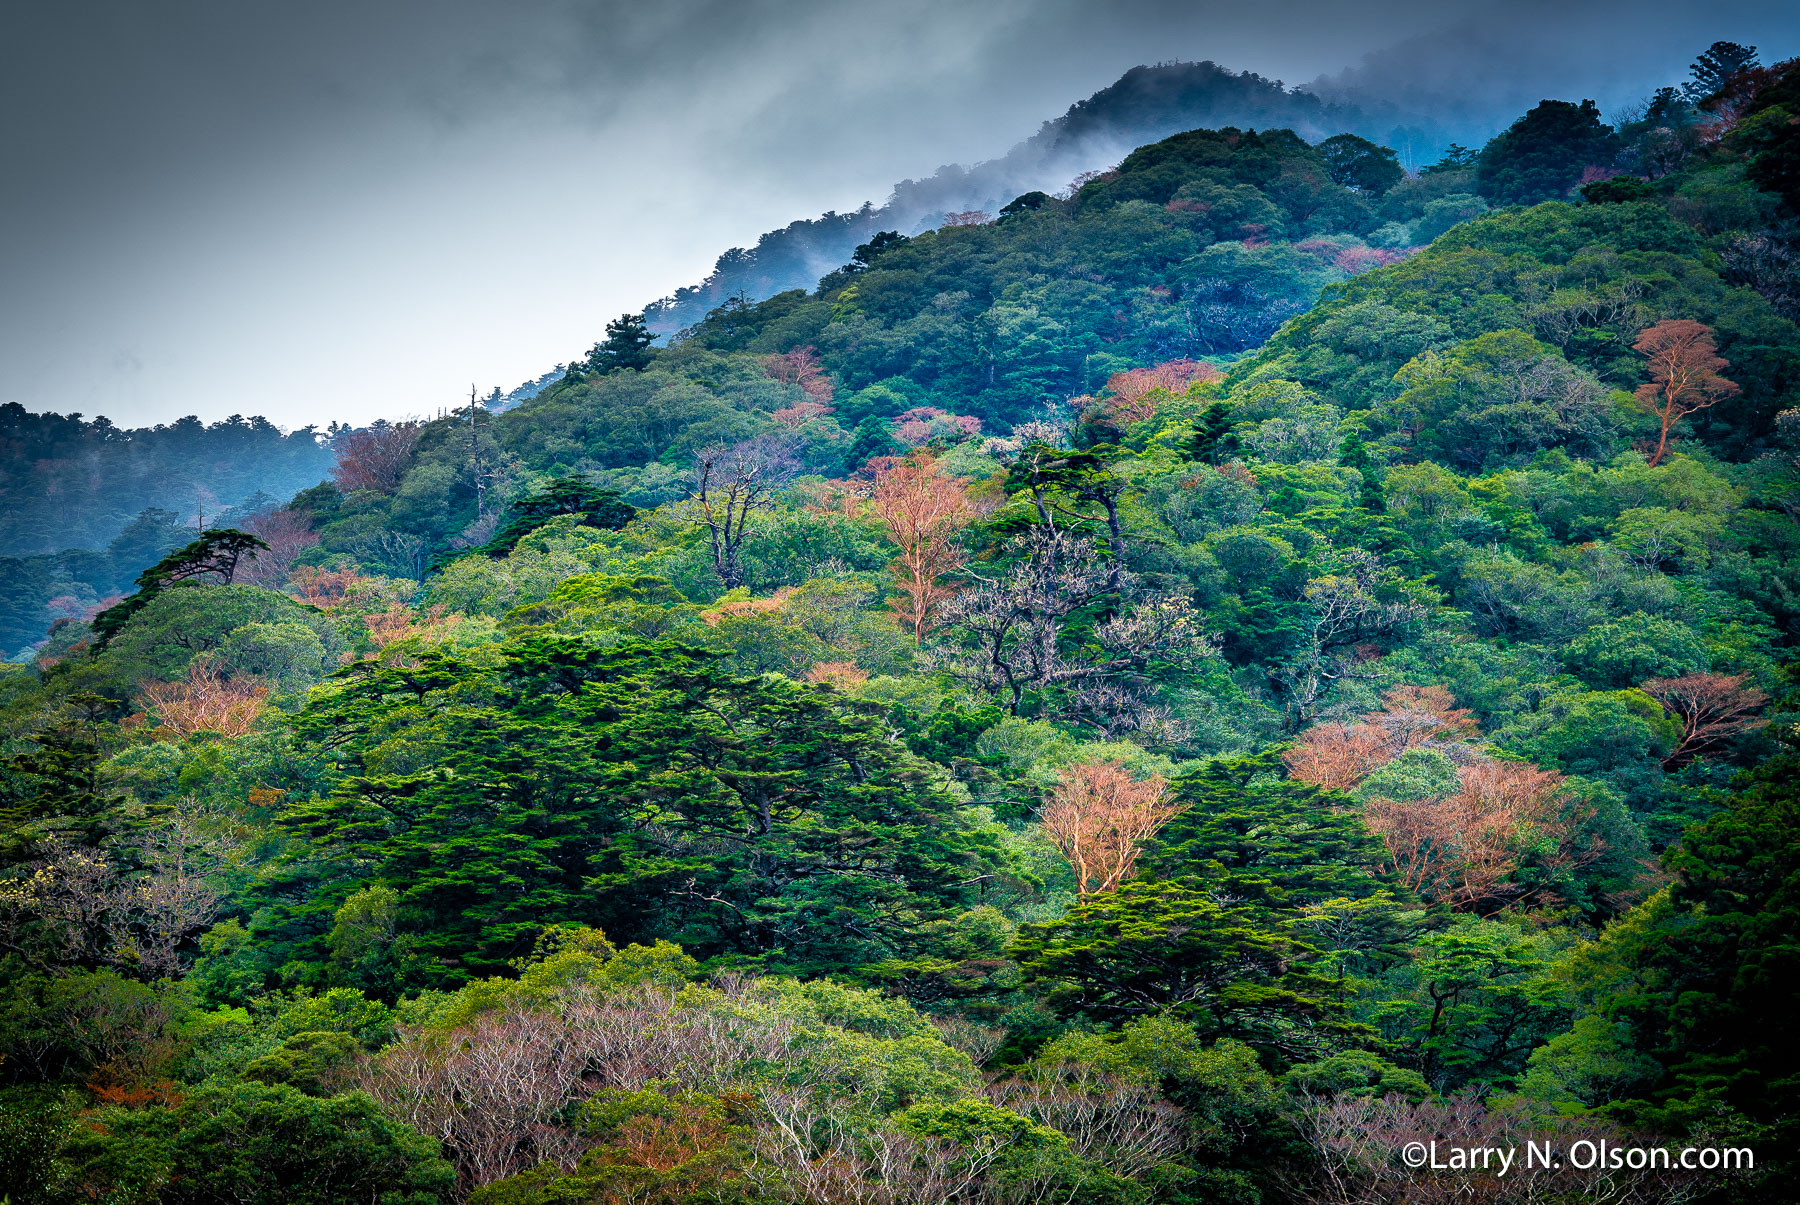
[401,622]
[1099,816]
[923,511]
[800,413]
[207,701]
[1411,716]
[374,457]
[287,533]
[801,367]
[1462,848]
[1712,708]
[1339,756]
[1684,365]
[326,589]
[1131,390]
[840,674]
[1459,847]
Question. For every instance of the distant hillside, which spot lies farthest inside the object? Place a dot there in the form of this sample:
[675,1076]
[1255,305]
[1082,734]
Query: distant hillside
[1145,105]
[1200,245]
[85,506]
[69,482]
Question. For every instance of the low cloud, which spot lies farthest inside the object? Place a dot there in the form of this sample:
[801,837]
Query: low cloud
[338,211]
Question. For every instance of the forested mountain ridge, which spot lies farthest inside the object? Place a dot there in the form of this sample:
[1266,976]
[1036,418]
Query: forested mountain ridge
[85,506]
[70,483]
[1167,695]
[65,511]
[1144,105]
[1201,245]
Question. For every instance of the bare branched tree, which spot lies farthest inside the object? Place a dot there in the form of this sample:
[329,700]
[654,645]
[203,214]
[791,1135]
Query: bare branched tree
[1354,1140]
[979,1042]
[1711,708]
[70,895]
[1117,1121]
[287,534]
[1340,755]
[375,457]
[207,700]
[811,1150]
[1460,845]
[399,552]
[494,1090]
[1343,609]
[135,905]
[1099,816]
[731,483]
[174,898]
[1462,848]
[1613,315]
[1684,363]
[477,533]
[1768,265]
[1012,630]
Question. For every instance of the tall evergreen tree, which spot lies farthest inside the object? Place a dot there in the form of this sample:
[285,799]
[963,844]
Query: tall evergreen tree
[214,555]
[1716,65]
[1541,156]
[626,346]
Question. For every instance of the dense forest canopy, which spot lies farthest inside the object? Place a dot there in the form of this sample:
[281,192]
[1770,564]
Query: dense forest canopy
[1165,693]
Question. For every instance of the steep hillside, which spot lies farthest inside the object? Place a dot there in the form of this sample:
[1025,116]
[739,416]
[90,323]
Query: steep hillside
[1183,692]
[1200,245]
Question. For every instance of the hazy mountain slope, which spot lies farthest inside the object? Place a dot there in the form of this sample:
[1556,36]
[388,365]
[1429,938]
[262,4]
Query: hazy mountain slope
[70,483]
[1145,105]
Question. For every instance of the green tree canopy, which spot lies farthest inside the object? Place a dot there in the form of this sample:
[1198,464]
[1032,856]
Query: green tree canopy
[214,555]
[643,789]
[1541,156]
[1360,164]
[595,507]
[626,347]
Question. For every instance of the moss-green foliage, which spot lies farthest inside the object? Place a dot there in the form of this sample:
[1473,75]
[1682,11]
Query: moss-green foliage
[640,787]
[1581,278]
[215,555]
[249,629]
[1677,1005]
[1154,947]
[562,496]
[1542,155]
[258,1143]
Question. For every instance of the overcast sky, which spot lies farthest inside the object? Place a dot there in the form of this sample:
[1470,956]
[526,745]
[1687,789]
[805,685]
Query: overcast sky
[327,210]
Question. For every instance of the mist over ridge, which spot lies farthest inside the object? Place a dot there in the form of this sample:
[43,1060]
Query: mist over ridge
[337,213]
[1459,84]
[1171,665]
[1146,104]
